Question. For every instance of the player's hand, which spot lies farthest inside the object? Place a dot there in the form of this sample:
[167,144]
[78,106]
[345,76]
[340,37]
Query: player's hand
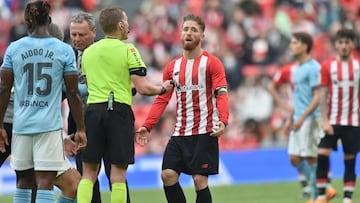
[297,125]
[221,129]
[69,146]
[3,140]
[142,136]
[328,129]
[80,140]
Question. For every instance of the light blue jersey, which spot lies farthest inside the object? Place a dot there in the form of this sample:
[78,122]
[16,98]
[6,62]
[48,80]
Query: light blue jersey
[305,78]
[39,65]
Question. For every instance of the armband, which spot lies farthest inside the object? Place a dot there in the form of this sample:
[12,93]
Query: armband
[220,90]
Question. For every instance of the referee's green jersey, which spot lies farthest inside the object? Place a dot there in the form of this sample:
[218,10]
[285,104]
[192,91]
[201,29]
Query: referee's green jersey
[107,65]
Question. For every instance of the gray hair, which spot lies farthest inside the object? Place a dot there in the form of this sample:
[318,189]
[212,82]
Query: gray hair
[83,16]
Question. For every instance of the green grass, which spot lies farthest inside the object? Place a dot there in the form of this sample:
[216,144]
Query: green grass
[251,193]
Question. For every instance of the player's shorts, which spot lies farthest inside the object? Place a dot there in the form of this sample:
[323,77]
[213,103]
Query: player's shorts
[305,140]
[109,132]
[349,136]
[43,151]
[197,154]
[67,165]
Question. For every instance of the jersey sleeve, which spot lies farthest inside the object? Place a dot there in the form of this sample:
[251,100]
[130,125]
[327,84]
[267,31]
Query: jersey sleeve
[160,103]
[315,75]
[70,65]
[219,80]
[325,79]
[282,76]
[134,60]
[8,62]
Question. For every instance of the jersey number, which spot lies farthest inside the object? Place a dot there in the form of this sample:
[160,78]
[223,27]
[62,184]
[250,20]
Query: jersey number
[36,70]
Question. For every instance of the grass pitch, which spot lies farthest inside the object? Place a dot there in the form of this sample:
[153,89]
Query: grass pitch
[288,192]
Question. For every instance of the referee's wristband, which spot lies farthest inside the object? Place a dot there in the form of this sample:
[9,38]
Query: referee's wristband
[163,90]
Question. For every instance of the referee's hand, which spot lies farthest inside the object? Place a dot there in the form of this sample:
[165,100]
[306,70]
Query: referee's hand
[142,136]
[3,140]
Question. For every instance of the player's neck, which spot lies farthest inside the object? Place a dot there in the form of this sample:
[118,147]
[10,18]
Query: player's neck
[191,54]
[41,31]
[303,58]
[344,58]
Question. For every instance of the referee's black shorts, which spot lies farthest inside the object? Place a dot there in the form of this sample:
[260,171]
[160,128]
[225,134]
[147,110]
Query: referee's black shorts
[197,154]
[110,133]
[349,136]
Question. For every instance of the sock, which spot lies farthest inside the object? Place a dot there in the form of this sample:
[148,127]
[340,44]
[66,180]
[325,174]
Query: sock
[203,196]
[174,193]
[312,181]
[45,196]
[303,168]
[322,175]
[118,193]
[85,191]
[22,195]
[64,199]
[349,178]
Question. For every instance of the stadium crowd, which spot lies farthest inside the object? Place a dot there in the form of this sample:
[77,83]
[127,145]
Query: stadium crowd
[250,37]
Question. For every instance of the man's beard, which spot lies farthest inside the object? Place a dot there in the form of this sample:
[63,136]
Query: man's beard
[190,46]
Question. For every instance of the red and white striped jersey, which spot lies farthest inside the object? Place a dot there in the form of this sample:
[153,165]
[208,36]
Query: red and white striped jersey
[198,109]
[343,80]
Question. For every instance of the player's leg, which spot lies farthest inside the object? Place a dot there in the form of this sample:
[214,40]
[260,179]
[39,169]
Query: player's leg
[325,147]
[22,162]
[172,165]
[47,146]
[304,185]
[351,145]
[67,181]
[203,162]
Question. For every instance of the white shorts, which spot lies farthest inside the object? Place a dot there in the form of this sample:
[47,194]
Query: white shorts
[67,164]
[43,152]
[304,142]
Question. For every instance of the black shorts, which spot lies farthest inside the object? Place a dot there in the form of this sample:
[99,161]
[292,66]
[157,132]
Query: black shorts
[349,136]
[110,133]
[197,154]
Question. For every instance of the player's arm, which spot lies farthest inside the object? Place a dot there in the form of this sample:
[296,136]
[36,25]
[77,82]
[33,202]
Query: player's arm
[310,109]
[156,110]
[6,83]
[324,108]
[75,104]
[273,90]
[219,82]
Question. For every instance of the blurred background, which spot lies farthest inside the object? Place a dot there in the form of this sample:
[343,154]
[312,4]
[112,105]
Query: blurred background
[250,37]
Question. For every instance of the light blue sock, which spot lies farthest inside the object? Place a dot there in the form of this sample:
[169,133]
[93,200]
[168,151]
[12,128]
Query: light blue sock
[45,196]
[304,168]
[22,195]
[312,181]
[64,199]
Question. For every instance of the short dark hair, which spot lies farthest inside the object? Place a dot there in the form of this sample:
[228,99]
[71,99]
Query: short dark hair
[37,13]
[345,33]
[305,38]
[110,17]
[192,17]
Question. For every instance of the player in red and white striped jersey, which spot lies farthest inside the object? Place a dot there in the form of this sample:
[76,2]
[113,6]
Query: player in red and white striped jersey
[201,115]
[339,103]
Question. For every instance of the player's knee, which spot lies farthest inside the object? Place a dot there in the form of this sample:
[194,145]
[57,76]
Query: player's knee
[169,176]
[200,181]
